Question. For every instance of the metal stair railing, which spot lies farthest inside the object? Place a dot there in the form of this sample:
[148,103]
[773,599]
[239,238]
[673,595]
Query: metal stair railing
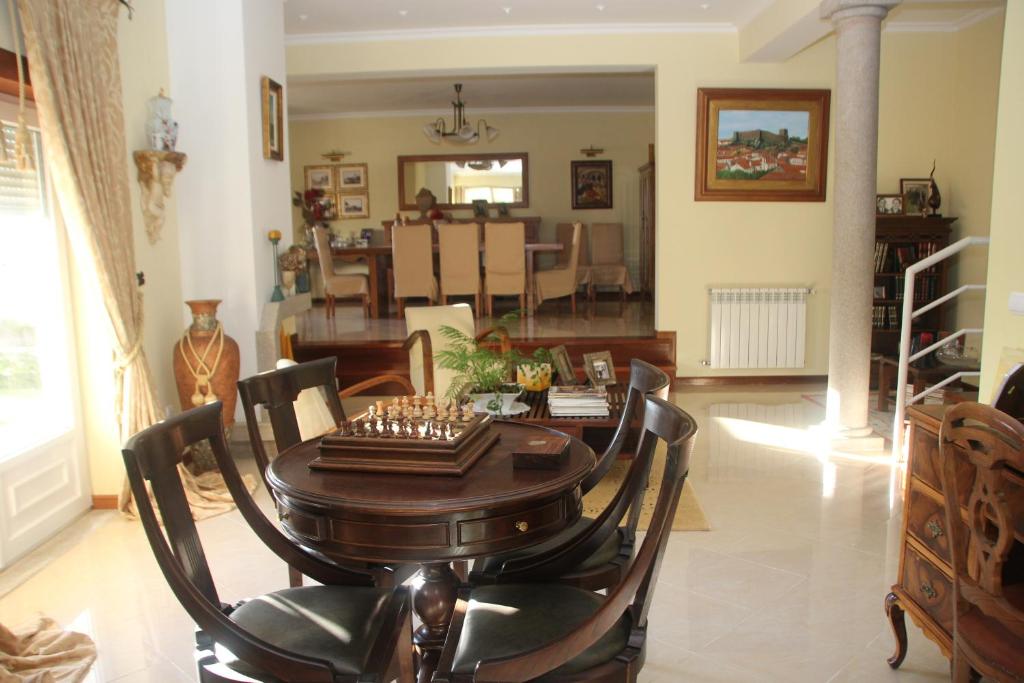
[902,402]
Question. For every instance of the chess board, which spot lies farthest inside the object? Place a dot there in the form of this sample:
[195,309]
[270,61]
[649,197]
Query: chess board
[447,442]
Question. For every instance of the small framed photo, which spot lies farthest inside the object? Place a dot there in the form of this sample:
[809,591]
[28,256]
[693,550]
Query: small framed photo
[320,178]
[352,178]
[889,204]
[599,368]
[354,206]
[366,234]
[563,366]
[879,292]
[915,195]
[273,119]
[591,184]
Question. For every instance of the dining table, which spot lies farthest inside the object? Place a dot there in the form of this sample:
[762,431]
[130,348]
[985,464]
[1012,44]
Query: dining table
[378,258]
[430,520]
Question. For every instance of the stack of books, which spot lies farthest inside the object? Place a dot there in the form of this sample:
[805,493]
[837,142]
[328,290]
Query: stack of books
[578,401]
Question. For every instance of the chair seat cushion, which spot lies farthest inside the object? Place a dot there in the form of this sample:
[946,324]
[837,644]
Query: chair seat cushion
[508,620]
[608,551]
[338,624]
[348,268]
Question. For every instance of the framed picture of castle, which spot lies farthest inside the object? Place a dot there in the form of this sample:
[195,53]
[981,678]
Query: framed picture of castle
[761,145]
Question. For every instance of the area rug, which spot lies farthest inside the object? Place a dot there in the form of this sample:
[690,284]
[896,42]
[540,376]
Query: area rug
[689,514]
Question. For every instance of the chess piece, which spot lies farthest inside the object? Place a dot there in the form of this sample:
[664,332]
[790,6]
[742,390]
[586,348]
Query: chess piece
[417,400]
[417,412]
[344,428]
[380,407]
[453,411]
[372,412]
[430,398]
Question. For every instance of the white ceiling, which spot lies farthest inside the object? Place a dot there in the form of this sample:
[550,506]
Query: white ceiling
[480,93]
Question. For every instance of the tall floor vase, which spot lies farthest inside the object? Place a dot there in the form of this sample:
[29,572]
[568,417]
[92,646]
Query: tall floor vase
[206,361]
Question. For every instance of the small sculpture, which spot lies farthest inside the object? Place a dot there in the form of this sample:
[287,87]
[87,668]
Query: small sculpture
[425,201]
[934,200]
[160,127]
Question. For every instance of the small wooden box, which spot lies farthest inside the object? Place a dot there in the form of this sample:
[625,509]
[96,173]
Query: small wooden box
[542,452]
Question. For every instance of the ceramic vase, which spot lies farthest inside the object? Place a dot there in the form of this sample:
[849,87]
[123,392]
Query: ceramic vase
[534,377]
[222,383]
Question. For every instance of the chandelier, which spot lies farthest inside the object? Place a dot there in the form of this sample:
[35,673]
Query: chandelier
[462,131]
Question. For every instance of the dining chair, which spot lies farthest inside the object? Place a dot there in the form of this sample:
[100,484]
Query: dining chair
[412,255]
[560,281]
[607,260]
[592,552]
[459,244]
[345,279]
[563,235]
[981,450]
[348,630]
[555,632]
[504,262]
[423,325]
[303,401]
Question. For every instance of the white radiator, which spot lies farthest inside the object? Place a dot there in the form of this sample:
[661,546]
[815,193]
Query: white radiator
[758,328]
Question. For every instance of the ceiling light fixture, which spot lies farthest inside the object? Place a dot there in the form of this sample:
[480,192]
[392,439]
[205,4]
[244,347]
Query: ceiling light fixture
[462,131]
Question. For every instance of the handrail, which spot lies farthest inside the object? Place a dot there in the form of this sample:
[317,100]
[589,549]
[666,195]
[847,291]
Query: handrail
[906,323]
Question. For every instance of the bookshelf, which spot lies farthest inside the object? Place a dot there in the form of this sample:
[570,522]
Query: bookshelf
[899,242]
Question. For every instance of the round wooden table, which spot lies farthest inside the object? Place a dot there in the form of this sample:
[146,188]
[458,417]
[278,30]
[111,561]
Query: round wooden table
[429,520]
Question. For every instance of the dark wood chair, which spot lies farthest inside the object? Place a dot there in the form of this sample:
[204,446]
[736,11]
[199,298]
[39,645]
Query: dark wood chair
[521,632]
[982,455]
[346,631]
[592,553]
[276,392]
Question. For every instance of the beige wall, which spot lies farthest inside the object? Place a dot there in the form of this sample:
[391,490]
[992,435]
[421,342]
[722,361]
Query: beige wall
[550,139]
[1004,330]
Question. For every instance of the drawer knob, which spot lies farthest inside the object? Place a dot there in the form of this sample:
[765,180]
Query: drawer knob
[522,526]
[928,591]
[934,528]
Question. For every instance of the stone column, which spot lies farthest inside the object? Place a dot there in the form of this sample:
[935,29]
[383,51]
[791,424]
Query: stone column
[855,110]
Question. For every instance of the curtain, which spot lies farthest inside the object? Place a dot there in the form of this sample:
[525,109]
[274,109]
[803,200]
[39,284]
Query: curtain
[72,52]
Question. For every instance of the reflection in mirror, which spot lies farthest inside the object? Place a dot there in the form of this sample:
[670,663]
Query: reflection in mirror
[459,180]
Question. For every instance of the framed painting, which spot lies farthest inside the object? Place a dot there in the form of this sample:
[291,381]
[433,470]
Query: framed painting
[760,145]
[599,368]
[591,184]
[320,178]
[352,178]
[273,119]
[353,206]
[563,366]
[915,195]
[888,204]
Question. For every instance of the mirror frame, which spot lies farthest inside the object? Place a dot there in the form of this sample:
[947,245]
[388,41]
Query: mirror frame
[492,156]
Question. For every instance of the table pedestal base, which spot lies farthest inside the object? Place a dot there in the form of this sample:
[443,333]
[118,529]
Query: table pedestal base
[434,603]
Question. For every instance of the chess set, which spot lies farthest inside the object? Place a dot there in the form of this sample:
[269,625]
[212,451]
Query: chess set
[411,435]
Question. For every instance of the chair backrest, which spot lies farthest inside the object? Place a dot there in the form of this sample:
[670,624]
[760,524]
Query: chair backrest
[574,249]
[431,319]
[563,235]
[412,255]
[505,257]
[665,422]
[322,237]
[276,392]
[459,244]
[606,244]
[1009,397]
[978,440]
[153,456]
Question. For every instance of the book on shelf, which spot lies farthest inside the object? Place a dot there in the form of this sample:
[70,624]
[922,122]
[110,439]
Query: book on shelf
[578,401]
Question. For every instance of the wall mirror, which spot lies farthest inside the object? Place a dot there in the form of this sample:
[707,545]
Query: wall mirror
[457,180]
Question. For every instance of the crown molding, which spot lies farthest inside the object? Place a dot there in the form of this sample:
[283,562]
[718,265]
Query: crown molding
[506,31]
[477,111]
[970,19]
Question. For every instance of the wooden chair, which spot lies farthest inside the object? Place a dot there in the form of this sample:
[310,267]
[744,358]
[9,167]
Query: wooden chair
[459,244]
[607,260]
[521,632]
[347,280]
[412,255]
[592,553]
[276,392]
[504,262]
[345,631]
[982,456]
[560,281]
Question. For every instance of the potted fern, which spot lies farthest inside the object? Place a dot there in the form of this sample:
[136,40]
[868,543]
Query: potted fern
[484,374]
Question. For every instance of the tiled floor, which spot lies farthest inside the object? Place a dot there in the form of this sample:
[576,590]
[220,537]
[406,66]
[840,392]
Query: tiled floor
[787,587]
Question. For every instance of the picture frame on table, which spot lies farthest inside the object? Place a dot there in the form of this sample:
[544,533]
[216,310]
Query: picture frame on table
[591,184]
[889,204]
[320,178]
[761,144]
[563,366]
[353,178]
[272,98]
[915,195]
[599,368]
[353,206]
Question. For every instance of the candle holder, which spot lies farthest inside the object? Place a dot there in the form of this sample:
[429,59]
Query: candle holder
[275,236]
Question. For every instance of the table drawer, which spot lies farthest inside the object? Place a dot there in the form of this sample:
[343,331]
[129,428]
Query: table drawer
[926,521]
[929,587]
[300,522]
[491,529]
[925,463]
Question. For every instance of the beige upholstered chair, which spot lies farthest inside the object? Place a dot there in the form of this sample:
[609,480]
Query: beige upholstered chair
[345,280]
[460,261]
[607,262]
[412,253]
[563,235]
[561,280]
[504,262]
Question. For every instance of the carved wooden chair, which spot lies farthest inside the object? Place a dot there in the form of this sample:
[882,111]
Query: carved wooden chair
[979,443]
[592,553]
[522,632]
[345,631]
[276,392]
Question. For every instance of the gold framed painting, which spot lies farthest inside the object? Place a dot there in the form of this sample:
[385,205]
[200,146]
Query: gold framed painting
[320,178]
[273,119]
[352,178]
[761,145]
[353,206]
